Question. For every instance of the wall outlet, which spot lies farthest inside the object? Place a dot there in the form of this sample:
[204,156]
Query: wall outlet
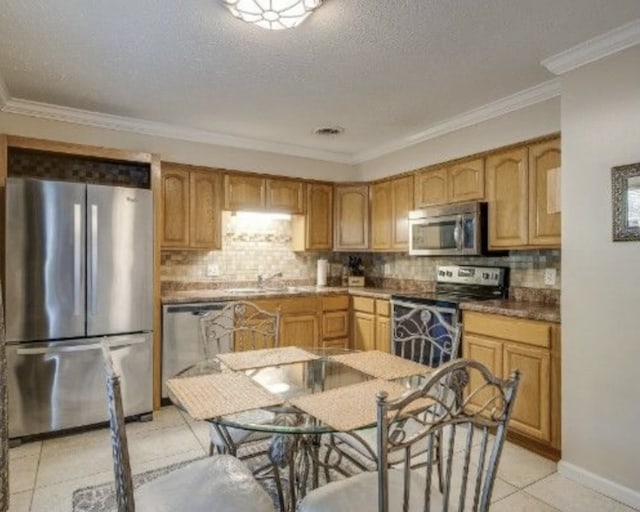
[550,276]
[386,269]
[213,270]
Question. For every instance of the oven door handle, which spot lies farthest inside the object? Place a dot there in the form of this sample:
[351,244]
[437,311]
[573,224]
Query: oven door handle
[457,233]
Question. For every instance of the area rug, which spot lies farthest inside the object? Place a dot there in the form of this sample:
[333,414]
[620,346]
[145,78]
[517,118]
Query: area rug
[101,497]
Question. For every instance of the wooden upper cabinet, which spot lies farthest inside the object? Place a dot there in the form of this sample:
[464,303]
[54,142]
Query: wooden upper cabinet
[466,181]
[544,193]
[244,192]
[204,215]
[431,187]
[463,181]
[523,188]
[390,205]
[402,201]
[381,216]
[508,194]
[314,231]
[175,207]
[351,219]
[285,195]
[191,204]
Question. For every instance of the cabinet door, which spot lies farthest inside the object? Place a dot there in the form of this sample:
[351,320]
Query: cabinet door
[335,324]
[544,193]
[383,333]
[489,353]
[507,190]
[206,194]
[351,231]
[364,331]
[381,221]
[175,207]
[319,225]
[285,196]
[531,411]
[299,330]
[402,201]
[431,187]
[244,192]
[466,181]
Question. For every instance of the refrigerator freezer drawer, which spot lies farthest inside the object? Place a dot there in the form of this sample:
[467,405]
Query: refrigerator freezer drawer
[60,385]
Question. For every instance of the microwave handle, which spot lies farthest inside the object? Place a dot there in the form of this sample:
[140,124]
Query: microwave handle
[457,233]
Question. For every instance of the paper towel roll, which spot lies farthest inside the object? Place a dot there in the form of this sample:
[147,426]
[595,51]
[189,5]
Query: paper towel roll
[321,276]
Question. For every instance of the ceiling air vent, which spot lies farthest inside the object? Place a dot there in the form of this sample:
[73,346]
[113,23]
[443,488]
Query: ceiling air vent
[329,130]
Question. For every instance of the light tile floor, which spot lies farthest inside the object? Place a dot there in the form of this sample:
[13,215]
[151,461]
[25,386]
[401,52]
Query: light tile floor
[44,474]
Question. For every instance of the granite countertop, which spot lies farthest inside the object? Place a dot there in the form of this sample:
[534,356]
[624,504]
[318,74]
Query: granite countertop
[221,294]
[515,308]
[507,307]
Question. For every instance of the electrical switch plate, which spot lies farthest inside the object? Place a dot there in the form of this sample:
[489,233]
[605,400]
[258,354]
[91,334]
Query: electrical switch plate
[550,276]
[213,270]
[386,269]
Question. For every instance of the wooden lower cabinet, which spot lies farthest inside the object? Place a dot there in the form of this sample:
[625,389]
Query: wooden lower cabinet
[371,327]
[505,344]
[299,330]
[335,321]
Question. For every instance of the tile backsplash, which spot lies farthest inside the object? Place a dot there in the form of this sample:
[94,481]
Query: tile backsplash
[262,245]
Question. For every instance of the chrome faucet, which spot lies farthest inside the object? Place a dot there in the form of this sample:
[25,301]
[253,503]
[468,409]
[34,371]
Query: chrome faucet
[262,280]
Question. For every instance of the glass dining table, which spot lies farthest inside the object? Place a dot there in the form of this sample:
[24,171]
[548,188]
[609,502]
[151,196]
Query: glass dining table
[287,422]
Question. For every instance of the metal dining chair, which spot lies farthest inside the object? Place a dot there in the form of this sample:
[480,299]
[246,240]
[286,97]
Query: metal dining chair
[424,335]
[240,325]
[221,483]
[476,405]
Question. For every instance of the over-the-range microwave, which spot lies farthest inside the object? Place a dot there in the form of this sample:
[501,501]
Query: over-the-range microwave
[449,230]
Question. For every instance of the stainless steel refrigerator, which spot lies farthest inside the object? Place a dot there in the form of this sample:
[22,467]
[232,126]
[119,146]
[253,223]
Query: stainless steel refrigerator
[79,270]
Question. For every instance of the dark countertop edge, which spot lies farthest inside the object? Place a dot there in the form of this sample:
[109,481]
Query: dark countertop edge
[518,309]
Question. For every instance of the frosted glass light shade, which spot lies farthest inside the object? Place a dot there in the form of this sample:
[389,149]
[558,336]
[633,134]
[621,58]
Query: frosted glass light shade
[272,14]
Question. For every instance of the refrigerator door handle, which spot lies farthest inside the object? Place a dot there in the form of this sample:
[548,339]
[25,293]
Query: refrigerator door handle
[77,259]
[93,259]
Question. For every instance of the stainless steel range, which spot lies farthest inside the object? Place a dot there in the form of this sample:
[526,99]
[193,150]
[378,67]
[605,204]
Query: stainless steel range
[454,284]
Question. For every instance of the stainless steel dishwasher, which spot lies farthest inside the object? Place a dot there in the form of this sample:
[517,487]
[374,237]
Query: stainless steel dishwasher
[181,343]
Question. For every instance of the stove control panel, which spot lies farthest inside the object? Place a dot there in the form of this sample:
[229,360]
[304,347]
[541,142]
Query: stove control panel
[483,276]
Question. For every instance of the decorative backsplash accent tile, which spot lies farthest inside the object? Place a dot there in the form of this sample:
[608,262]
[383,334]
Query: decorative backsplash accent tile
[262,246]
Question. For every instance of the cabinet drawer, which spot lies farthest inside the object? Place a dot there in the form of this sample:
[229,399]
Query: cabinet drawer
[335,303]
[521,330]
[364,304]
[299,305]
[382,307]
[335,324]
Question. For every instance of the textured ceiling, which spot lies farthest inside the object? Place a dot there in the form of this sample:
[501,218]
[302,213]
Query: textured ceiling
[382,69]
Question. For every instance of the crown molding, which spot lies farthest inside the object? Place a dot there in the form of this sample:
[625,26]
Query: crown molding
[594,49]
[128,124]
[525,98]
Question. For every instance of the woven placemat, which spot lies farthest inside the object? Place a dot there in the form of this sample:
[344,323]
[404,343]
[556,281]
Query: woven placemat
[210,396]
[381,365]
[265,357]
[353,406]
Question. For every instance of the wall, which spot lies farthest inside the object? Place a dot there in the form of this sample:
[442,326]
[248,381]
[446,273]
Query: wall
[255,244]
[601,280]
[177,150]
[527,123]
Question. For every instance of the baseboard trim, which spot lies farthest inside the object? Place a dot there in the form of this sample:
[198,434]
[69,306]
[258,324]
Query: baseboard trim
[609,488]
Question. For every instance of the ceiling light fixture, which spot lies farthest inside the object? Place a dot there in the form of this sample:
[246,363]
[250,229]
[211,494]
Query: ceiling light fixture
[273,14]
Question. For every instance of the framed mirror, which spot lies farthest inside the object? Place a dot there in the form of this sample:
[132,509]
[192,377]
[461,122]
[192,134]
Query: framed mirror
[625,180]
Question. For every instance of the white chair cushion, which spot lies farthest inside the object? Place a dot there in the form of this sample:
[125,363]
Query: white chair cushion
[221,483]
[360,492]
